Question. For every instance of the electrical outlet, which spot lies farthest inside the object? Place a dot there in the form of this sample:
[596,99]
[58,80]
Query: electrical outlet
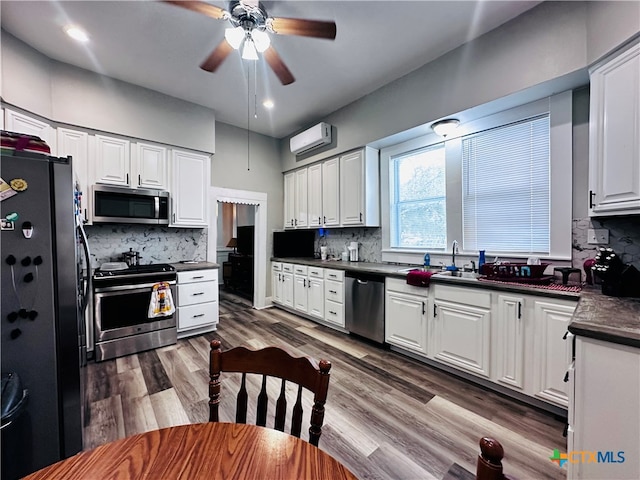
[597,236]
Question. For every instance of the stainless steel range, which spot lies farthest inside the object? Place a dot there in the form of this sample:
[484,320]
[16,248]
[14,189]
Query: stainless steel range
[121,304]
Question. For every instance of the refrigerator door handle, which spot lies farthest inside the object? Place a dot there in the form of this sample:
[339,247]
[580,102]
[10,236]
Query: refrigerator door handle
[87,254]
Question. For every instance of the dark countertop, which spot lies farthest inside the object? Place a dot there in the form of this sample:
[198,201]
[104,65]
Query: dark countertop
[400,271]
[185,267]
[611,319]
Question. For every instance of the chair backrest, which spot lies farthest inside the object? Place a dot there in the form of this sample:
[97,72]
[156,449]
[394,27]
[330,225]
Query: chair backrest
[271,362]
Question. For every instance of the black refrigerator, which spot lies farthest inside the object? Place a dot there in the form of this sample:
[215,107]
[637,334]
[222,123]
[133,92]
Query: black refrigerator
[42,325]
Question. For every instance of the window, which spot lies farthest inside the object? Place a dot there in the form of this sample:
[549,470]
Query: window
[502,184]
[506,188]
[418,199]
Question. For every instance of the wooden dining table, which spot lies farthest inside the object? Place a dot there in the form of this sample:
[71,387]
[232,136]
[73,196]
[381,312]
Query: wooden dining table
[198,451]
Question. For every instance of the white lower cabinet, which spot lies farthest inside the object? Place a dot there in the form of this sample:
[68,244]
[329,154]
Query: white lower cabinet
[287,284]
[606,416]
[551,351]
[197,302]
[462,326]
[315,295]
[406,315]
[276,282]
[334,297]
[300,292]
[510,331]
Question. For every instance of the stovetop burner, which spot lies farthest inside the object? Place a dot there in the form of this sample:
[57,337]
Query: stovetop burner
[135,270]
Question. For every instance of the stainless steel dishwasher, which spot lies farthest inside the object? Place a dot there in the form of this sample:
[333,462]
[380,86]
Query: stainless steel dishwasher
[364,305]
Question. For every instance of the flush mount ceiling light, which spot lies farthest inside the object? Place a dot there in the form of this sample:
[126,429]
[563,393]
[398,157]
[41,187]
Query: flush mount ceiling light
[445,127]
[268,104]
[76,33]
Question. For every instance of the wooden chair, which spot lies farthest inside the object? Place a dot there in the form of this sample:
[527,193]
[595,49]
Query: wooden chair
[271,362]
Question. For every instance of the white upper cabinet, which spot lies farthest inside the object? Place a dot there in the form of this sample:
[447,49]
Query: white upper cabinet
[331,192]
[112,161]
[189,189]
[21,123]
[614,135]
[301,202]
[314,195]
[76,144]
[149,164]
[289,200]
[359,188]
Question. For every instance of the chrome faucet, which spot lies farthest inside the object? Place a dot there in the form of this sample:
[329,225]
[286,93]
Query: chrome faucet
[454,250]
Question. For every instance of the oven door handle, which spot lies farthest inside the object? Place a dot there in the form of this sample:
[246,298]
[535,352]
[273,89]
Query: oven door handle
[124,288]
[87,254]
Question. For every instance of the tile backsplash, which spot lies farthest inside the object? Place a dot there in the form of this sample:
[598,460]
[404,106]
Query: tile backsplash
[155,244]
[624,239]
[369,240]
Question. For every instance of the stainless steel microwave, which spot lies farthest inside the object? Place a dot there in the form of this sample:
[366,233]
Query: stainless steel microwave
[127,205]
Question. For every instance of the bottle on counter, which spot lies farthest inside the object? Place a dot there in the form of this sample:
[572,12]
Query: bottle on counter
[481,261]
[427,259]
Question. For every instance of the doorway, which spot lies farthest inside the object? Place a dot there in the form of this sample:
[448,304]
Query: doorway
[255,203]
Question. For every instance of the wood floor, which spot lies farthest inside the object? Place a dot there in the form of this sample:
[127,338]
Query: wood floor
[387,416]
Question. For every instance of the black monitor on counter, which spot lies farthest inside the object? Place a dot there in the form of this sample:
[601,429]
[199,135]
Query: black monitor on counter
[294,243]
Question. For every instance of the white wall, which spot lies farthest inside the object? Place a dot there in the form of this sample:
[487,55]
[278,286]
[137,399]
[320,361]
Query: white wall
[546,50]
[73,96]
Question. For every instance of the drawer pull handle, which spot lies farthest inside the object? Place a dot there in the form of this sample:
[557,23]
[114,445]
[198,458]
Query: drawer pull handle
[333,291]
[196,278]
[332,313]
[197,293]
[199,315]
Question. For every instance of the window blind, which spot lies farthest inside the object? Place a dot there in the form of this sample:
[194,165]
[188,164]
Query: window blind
[506,188]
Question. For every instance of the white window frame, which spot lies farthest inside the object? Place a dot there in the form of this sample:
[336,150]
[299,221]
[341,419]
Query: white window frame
[559,108]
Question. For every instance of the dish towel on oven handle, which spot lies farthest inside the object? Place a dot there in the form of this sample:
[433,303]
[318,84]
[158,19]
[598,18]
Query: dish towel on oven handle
[161,304]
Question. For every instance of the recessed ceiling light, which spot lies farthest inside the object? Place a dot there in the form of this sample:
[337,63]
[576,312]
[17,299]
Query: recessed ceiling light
[76,33]
[268,104]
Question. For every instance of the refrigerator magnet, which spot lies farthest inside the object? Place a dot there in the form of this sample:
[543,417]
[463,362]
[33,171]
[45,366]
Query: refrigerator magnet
[5,190]
[18,184]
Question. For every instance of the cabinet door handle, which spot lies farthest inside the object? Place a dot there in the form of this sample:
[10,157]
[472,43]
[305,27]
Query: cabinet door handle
[360,216]
[324,219]
[174,218]
[318,220]
[296,222]
[139,180]
[199,315]
[591,195]
[332,313]
[519,310]
[423,308]
[304,282]
[566,377]
[435,310]
[197,293]
[564,337]
[127,179]
[309,284]
[333,291]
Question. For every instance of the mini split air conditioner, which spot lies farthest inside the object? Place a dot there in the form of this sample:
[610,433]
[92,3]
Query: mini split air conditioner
[314,137]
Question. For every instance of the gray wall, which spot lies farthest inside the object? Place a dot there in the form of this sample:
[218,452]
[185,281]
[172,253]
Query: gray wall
[545,50]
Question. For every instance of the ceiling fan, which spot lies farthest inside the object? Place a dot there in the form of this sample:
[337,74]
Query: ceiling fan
[250,28]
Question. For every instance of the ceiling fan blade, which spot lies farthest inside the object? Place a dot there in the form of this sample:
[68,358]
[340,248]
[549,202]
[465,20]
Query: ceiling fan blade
[278,66]
[200,7]
[305,28]
[214,60]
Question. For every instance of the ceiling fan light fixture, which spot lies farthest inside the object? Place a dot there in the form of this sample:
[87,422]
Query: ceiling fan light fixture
[234,36]
[261,40]
[249,50]
[445,127]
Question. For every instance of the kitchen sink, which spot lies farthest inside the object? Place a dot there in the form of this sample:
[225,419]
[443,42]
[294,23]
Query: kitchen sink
[461,274]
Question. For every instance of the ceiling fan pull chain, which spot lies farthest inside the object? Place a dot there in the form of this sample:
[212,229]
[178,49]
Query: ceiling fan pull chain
[255,90]
[248,114]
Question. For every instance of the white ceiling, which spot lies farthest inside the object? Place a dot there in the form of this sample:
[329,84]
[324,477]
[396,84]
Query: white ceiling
[160,46]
